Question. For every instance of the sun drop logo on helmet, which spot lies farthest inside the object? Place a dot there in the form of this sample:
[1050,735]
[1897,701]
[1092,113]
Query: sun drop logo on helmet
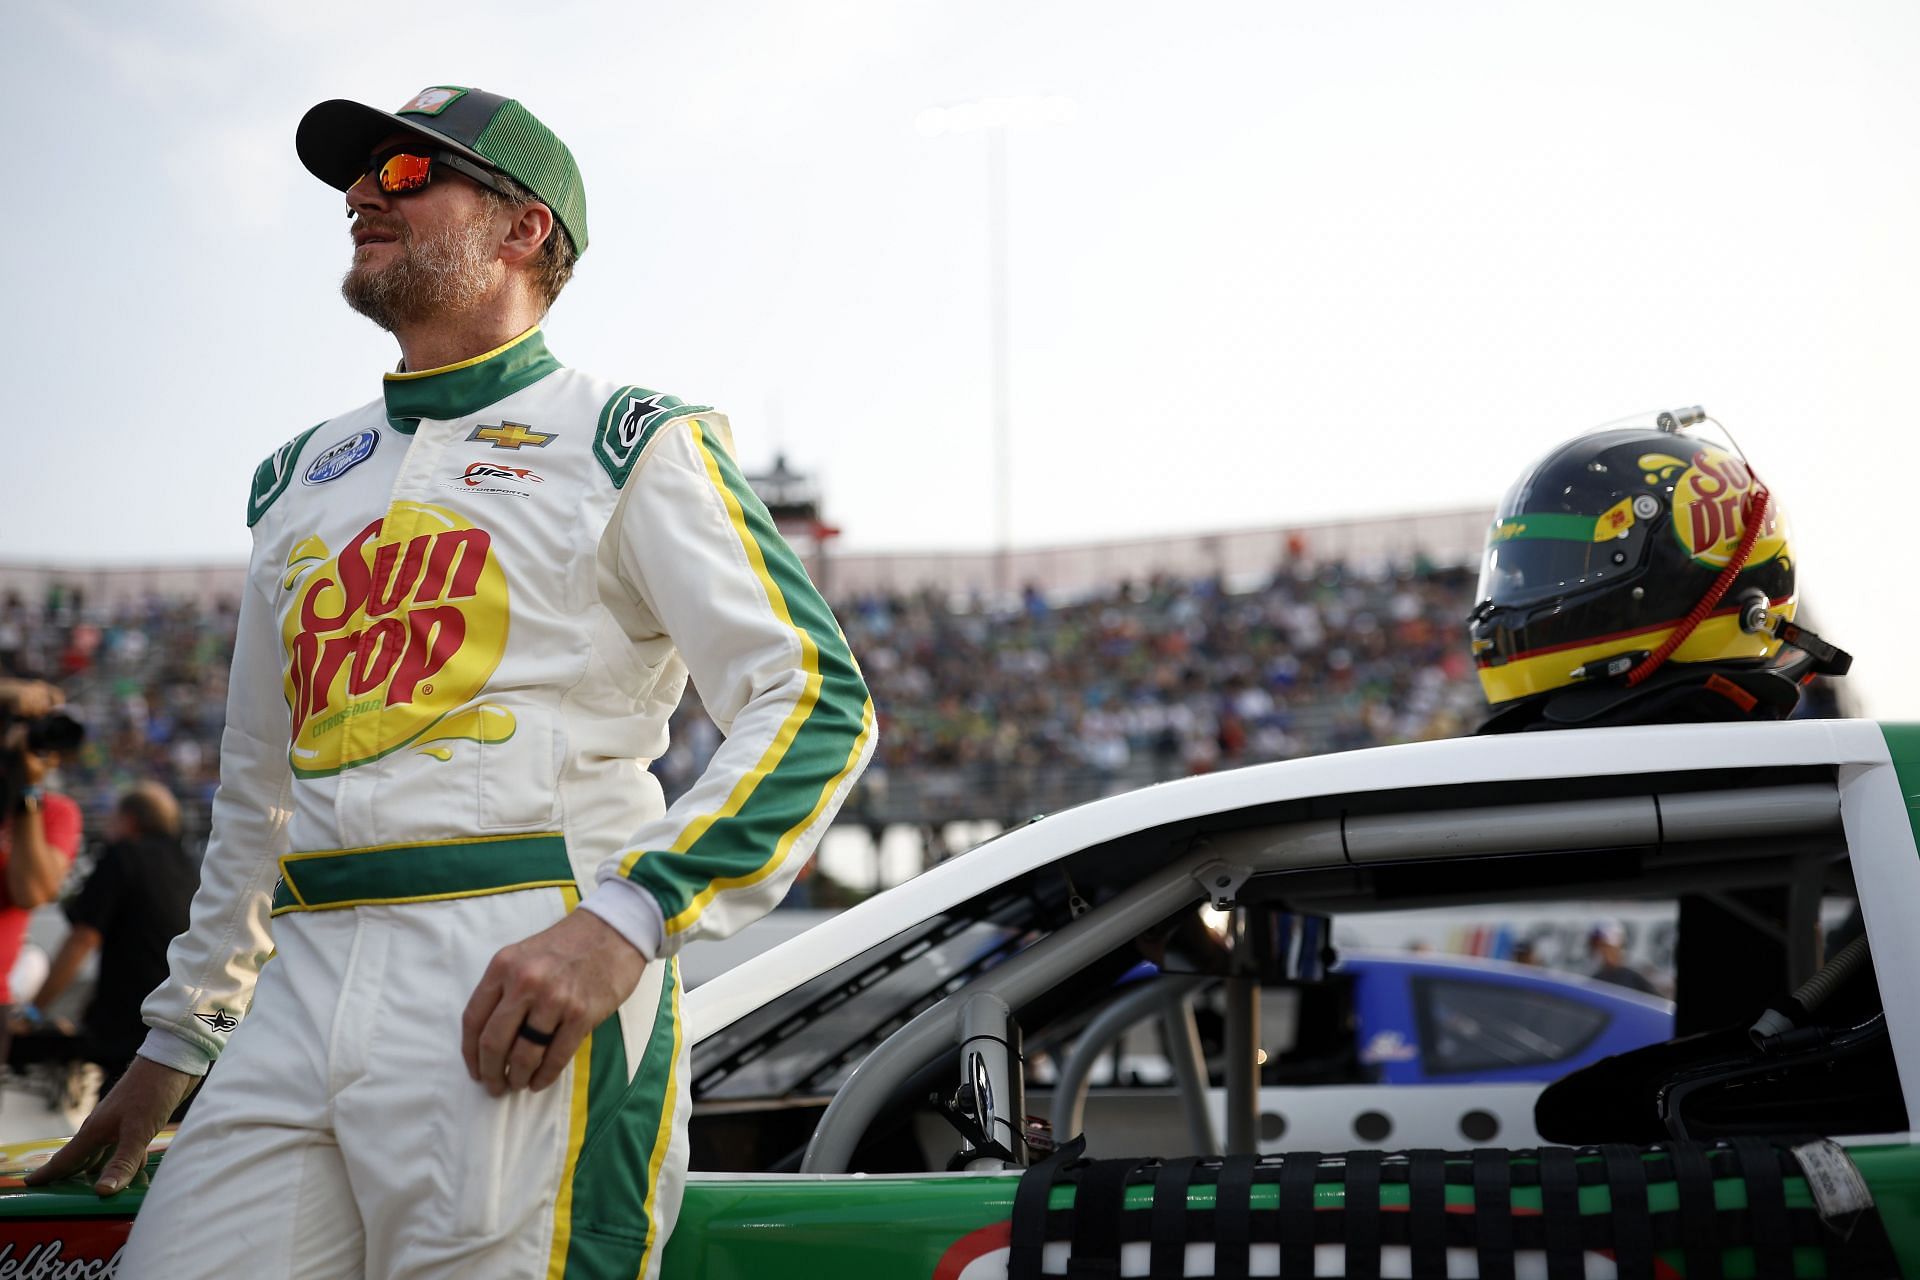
[404,626]
[1708,504]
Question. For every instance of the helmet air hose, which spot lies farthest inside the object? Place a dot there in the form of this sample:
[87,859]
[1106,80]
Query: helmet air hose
[1755,517]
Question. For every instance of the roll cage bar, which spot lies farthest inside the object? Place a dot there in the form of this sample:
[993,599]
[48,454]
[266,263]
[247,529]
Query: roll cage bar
[1676,824]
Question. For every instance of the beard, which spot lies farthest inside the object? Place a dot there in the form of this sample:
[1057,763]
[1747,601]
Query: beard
[447,271]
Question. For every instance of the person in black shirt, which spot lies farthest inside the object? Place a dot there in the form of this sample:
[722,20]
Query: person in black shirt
[132,904]
[1608,942]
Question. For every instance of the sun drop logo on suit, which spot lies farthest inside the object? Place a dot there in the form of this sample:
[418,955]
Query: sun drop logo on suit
[387,639]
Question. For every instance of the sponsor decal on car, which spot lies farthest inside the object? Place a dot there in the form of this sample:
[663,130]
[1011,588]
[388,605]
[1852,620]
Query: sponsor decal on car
[336,460]
[77,1250]
[388,638]
[1389,1045]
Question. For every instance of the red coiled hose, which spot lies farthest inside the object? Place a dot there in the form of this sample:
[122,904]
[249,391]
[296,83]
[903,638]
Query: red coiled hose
[1755,516]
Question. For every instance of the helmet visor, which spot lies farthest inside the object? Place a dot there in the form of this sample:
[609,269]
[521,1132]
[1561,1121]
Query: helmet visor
[1537,555]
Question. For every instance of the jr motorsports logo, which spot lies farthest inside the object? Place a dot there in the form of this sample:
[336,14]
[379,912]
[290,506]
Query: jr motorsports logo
[388,638]
[490,477]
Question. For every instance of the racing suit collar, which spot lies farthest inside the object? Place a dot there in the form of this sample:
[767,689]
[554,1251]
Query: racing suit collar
[456,390]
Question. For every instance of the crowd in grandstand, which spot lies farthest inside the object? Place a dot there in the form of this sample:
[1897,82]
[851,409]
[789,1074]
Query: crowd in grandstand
[984,713]
[149,680]
[1061,702]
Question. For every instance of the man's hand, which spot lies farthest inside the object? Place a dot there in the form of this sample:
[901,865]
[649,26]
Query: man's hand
[120,1128]
[559,984]
[29,699]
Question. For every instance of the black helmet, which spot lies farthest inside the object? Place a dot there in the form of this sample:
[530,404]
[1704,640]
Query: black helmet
[1625,550]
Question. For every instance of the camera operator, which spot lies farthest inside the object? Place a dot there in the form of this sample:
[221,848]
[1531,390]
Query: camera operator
[41,830]
[134,901]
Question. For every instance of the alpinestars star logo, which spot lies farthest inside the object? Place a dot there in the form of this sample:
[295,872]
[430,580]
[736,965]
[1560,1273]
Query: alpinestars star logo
[639,409]
[220,1020]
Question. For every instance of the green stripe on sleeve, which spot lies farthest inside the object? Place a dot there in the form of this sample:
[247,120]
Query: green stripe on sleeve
[741,846]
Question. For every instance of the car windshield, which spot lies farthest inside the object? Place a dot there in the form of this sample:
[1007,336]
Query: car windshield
[806,1043]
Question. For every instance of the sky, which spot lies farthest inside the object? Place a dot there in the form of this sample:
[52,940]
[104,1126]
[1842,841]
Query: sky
[1285,262]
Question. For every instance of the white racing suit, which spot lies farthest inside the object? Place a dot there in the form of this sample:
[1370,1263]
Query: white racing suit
[472,606]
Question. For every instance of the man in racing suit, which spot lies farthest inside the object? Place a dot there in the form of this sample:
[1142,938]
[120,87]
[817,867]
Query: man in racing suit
[471,607]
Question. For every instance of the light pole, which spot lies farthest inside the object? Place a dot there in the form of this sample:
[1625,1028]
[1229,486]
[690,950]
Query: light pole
[994,117]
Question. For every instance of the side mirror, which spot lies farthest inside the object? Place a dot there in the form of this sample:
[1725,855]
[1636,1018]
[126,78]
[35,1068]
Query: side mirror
[989,1108]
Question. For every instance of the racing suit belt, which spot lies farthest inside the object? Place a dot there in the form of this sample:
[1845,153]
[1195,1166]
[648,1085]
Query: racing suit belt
[431,871]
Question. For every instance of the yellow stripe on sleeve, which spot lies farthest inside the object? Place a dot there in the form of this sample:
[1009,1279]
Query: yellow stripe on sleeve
[809,660]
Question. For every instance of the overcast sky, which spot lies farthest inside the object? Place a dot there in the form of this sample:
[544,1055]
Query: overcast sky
[1287,262]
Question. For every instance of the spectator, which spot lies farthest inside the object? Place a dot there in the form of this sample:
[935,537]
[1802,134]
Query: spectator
[1608,942]
[132,904]
[42,832]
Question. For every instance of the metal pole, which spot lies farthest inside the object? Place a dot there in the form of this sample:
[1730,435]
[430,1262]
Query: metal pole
[998,328]
[1243,1071]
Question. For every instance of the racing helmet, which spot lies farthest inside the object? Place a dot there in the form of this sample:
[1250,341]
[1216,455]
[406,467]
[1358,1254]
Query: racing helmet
[1624,550]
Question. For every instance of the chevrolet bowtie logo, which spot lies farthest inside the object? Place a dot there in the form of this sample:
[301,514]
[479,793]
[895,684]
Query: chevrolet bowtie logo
[511,435]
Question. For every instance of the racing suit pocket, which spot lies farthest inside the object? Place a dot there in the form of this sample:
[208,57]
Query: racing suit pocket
[518,776]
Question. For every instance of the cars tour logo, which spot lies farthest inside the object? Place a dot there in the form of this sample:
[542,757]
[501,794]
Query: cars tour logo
[1709,502]
[388,638]
[337,460]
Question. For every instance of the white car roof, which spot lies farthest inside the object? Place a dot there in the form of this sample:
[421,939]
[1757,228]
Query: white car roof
[1653,750]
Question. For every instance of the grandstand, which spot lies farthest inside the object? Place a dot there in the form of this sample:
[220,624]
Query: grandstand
[1119,664]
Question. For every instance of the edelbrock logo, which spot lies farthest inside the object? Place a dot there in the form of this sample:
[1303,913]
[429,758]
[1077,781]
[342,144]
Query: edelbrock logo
[44,1262]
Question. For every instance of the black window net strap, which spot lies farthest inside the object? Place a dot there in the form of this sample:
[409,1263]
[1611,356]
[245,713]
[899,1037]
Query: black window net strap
[1099,1204]
[1627,1200]
[1362,1216]
[1168,1227]
[1297,1175]
[1560,1211]
[1427,1212]
[1493,1213]
[1028,1232]
[1766,1208]
[1233,1218]
[1699,1214]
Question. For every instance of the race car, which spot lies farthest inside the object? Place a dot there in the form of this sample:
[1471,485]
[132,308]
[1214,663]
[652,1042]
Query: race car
[861,1092]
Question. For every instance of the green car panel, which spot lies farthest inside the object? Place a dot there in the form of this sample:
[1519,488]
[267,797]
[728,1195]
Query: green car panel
[890,1227]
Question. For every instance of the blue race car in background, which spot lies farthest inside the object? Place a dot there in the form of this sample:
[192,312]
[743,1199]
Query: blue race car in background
[1424,1019]
[1391,1050]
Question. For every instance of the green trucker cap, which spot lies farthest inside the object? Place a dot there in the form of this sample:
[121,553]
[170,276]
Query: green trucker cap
[336,137]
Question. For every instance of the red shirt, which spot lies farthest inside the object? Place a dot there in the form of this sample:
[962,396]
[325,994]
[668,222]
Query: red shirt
[60,819]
